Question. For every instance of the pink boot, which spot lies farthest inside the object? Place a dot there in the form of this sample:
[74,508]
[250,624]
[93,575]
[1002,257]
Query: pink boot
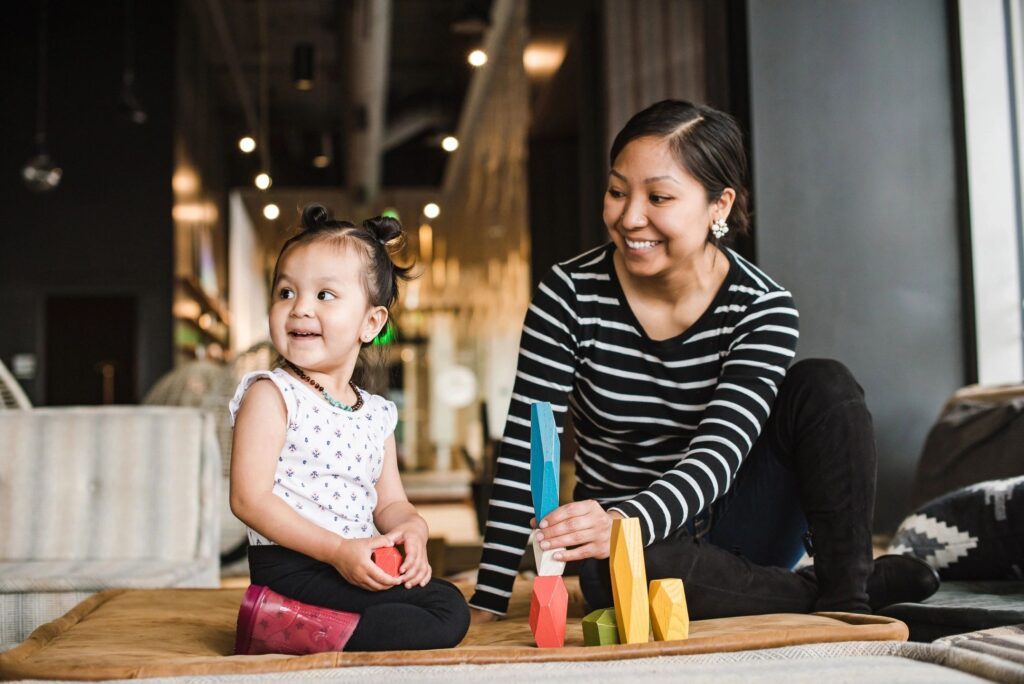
[271,623]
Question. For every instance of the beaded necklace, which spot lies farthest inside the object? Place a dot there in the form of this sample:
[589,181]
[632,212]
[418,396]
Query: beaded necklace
[325,394]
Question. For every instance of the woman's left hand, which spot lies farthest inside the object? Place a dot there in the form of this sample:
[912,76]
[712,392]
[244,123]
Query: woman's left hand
[582,525]
[415,570]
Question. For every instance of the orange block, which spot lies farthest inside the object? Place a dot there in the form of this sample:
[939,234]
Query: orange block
[629,582]
[548,607]
[669,617]
[389,559]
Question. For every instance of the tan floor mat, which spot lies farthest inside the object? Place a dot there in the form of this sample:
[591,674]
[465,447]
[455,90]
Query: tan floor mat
[120,634]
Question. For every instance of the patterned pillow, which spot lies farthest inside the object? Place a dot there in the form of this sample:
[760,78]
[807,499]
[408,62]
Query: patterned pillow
[972,533]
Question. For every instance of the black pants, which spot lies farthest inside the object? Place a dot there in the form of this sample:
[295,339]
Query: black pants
[813,466]
[434,616]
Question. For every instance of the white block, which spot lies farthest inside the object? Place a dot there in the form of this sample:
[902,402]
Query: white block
[546,563]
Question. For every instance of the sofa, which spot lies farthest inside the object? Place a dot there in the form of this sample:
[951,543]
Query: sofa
[93,498]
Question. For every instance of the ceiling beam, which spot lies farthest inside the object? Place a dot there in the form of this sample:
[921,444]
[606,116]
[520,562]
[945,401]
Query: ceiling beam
[411,124]
[230,55]
[369,43]
[480,85]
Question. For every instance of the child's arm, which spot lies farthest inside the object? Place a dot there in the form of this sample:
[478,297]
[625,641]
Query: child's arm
[400,522]
[260,431]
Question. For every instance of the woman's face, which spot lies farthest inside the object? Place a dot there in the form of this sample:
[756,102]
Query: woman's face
[657,214]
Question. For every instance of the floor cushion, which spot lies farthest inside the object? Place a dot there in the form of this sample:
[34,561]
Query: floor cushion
[173,632]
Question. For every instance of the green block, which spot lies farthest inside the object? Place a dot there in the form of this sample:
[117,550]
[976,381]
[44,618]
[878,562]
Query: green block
[599,628]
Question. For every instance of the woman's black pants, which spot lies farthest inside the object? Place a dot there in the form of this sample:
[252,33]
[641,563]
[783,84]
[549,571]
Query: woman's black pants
[809,481]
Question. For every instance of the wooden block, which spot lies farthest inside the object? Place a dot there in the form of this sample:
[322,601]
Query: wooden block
[669,617]
[544,459]
[545,560]
[548,607]
[389,559]
[629,582]
[599,628]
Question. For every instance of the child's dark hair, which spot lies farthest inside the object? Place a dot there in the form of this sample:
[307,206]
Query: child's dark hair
[377,238]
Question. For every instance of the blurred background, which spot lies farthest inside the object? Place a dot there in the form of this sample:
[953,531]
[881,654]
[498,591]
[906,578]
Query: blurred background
[156,155]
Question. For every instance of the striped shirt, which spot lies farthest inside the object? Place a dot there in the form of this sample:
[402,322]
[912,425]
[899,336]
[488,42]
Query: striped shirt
[662,426]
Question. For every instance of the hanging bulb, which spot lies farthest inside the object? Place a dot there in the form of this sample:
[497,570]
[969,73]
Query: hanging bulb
[129,104]
[40,173]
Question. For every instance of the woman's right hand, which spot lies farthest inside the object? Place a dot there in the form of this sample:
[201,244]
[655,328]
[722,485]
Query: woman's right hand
[353,559]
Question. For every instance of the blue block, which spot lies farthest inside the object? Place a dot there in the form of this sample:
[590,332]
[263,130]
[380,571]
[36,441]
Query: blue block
[544,459]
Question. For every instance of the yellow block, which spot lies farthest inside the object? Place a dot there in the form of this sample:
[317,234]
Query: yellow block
[629,582]
[669,616]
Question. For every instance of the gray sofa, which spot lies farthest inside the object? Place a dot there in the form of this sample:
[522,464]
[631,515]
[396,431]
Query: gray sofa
[102,497]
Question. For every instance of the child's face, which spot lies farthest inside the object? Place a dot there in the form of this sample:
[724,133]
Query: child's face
[320,315]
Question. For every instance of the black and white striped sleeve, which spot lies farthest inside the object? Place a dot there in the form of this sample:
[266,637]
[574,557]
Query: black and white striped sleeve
[762,346]
[545,370]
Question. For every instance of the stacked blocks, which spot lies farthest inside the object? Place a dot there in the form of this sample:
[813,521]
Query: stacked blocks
[550,600]
[599,628]
[548,607]
[629,581]
[669,616]
[389,559]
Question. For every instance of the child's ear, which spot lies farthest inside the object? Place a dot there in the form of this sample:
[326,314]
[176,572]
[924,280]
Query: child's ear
[374,322]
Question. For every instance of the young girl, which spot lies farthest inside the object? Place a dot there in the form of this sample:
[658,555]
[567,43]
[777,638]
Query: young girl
[314,473]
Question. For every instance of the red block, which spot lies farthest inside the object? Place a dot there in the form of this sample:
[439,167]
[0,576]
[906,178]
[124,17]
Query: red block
[389,559]
[548,608]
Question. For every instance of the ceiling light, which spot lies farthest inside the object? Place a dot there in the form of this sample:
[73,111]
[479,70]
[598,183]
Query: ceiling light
[477,58]
[431,211]
[473,19]
[246,144]
[322,158]
[303,63]
[543,59]
[450,143]
[271,211]
[262,181]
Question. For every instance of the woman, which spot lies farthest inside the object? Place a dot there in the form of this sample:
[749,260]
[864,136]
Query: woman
[672,353]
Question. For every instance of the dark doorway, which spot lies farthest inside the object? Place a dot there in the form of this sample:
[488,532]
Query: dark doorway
[90,350]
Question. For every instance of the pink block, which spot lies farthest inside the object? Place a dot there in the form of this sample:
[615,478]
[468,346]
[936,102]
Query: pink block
[389,559]
[548,607]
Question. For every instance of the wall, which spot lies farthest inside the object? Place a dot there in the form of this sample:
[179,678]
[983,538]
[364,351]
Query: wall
[854,168]
[107,229]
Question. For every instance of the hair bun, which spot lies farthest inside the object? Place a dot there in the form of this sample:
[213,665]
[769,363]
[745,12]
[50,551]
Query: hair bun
[315,217]
[384,229]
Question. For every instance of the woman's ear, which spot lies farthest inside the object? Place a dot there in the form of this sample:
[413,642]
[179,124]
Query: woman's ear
[375,320]
[723,205]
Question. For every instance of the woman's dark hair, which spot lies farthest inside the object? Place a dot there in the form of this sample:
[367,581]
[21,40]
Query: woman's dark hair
[705,142]
[377,239]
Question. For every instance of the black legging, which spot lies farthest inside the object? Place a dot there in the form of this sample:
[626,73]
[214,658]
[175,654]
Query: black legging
[434,616]
[815,456]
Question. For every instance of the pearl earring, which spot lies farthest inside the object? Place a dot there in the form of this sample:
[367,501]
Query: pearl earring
[719,228]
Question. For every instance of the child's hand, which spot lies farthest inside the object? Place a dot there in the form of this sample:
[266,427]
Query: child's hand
[415,570]
[353,559]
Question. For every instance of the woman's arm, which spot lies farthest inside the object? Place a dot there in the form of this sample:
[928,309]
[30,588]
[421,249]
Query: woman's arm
[260,431]
[544,372]
[762,346]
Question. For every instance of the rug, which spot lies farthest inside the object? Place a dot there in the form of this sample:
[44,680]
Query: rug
[122,634]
